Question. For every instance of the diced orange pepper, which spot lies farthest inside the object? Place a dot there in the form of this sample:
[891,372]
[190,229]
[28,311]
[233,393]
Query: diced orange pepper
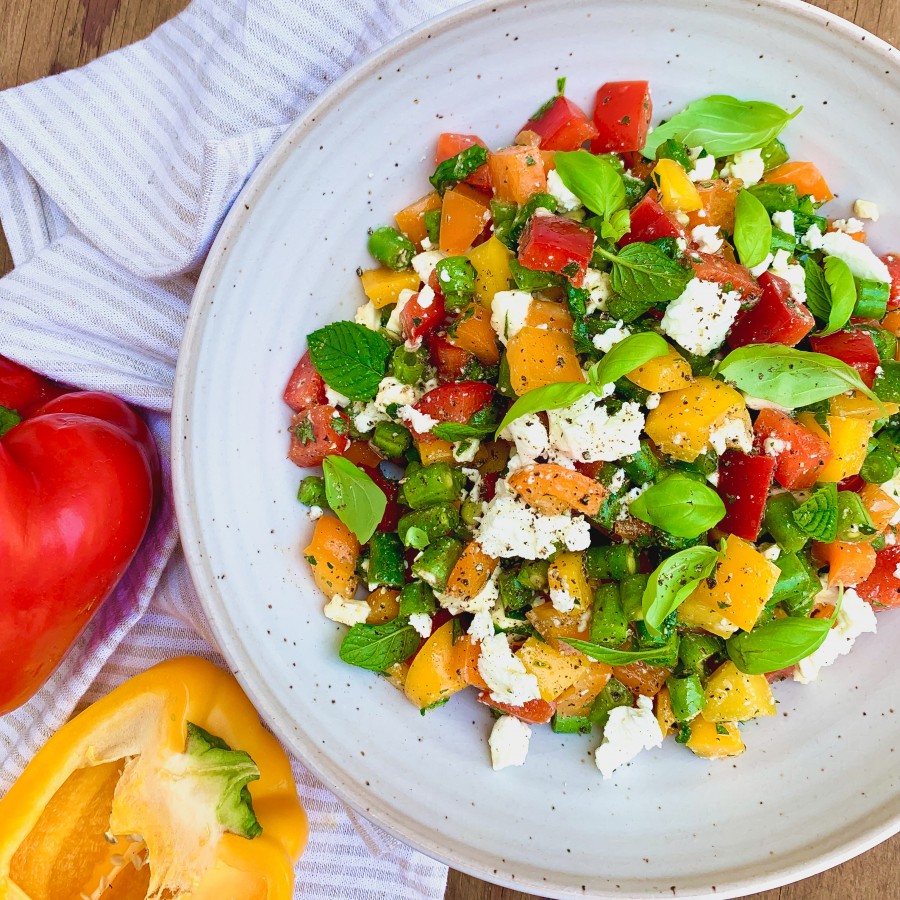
[549,158]
[517,173]
[553,625]
[434,451]
[549,314]
[468,652]
[555,671]
[491,262]
[463,218]
[708,743]
[848,563]
[859,236]
[552,489]
[664,715]
[434,674]
[805,175]
[677,193]
[881,506]
[848,439]
[538,356]
[856,405]
[332,555]
[411,219]
[385,605]
[642,678]
[891,323]
[383,286]
[663,373]
[577,699]
[718,199]
[471,573]
[473,332]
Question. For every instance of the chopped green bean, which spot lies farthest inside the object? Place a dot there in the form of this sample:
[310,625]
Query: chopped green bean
[391,248]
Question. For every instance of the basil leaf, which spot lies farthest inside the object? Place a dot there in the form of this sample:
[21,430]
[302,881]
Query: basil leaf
[752,230]
[842,293]
[616,226]
[643,273]
[449,431]
[722,125]
[660,655]
[818,515]
[818,294]
[673,581]
[351,358]
[551,396]
[679,505]
[9,418]
[356,500]
[458,168]
[626,356]
[594,181]
[378,647]
[790,377]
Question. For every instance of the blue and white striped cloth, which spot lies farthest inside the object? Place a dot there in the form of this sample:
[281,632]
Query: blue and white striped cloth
[113,181]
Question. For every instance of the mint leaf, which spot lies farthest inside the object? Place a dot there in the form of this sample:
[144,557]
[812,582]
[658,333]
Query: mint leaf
[818,515]
[842,293]
[458,168]
[594,181]
[644,274]
[378,647]
[654,655]
[450,431]
[679,505]
[752,230]
[356,500]
[722,125]
[9,418]
[673,581]
[818,294]
[626,356]
[551,396]
[351,358]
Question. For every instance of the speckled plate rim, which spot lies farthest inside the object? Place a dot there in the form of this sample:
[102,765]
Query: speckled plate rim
[241,660]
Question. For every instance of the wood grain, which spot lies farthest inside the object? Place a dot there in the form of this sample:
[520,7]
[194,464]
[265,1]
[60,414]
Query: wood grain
[41,37]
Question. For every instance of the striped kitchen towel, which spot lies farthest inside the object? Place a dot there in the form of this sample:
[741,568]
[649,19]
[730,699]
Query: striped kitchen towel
[113,181]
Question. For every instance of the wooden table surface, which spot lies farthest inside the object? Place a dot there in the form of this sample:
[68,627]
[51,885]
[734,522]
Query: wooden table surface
[41,37]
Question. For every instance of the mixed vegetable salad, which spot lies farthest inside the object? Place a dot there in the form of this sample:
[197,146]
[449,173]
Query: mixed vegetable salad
[615,438]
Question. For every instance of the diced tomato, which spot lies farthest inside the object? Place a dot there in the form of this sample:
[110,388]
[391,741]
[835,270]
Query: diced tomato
[650,221]
[556,244]
[892,261]
[455,402]
[535,712]
[853,483]
[856,348]
[449,360]
[489,485]
[417,320]
[882,587]
[799,454]
[776,318]
[730,275]
[393,511]
[305,388]
[622,113]
[362,453]
[744,483]
[562,125]
[318,432]
[449,145]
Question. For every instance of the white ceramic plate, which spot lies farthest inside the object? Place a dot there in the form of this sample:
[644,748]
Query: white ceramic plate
[819,783]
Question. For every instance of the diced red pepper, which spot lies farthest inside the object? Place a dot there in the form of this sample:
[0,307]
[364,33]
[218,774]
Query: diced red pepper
[892,261]
[455,402]
[393,511]
[650,221]
[305,388]
[744,483]
[853,483]
[882,587]
[562,125]
[449,145]
[318,432]
[856,348]
[799,453]
[731,275]
[489,485]
[449,360]
[418,320]
[622,113]
[776,318]
[556,244]
[535,712]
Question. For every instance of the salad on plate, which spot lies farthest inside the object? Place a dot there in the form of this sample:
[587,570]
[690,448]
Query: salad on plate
[615,437]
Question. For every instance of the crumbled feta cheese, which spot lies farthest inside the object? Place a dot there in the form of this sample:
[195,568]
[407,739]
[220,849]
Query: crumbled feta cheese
[509,741]
[390,390]
[772,552]
[784,219]
[426,243]
[566,199]
[511,528]
[735,432]
[586,432]
[335,398]
[793,273]
[707,238]
[747,165]
[347,612]
[424,263]
[505,674]
[700,318]
[368,416]
[485,599]
[758,269]
[314,513]
[509,311]
[426,297]
[530,437]
[653,400]
[866,209]
[562,600]
[774,446]
[368,316]
[848,226]
[421,622]
[465,451]
[617,481]
[682,218]
[854,618]
[704,166]
[713,478]
[474,475]
[599,287]
[681,244]
[420,422]
[756,403]
[608,339]
[482,625]
[393,323]
[860,259]
[627,732]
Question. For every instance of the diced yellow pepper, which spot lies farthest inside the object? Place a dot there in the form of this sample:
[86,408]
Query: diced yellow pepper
[538,357]
[676,191]
[664,373]
[578,699]
[664,715]
[491,262]
[734,696]
[383,286]
[848,439]
[566,573]
[433,675]
[435,451]
[681,424]
[554,671]
[744,581]
[706,741]
[856,405]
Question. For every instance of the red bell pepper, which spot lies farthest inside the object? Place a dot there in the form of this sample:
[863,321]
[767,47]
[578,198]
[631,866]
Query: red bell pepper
[892,261]
[561,125]
[731,275]
[305,387]
[76,495]
[318,432]
[556,244]
[418,320]
[650,221]
[622,113]
[449,360]
[744,483]
[535,712]
[882,587]
[776,318]
[455,402]
[799,453]
[24,390]
[856,348]
[449,145]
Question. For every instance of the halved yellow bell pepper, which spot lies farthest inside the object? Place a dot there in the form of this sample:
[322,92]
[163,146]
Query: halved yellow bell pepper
[142,792]
[849,440]
[676,191]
